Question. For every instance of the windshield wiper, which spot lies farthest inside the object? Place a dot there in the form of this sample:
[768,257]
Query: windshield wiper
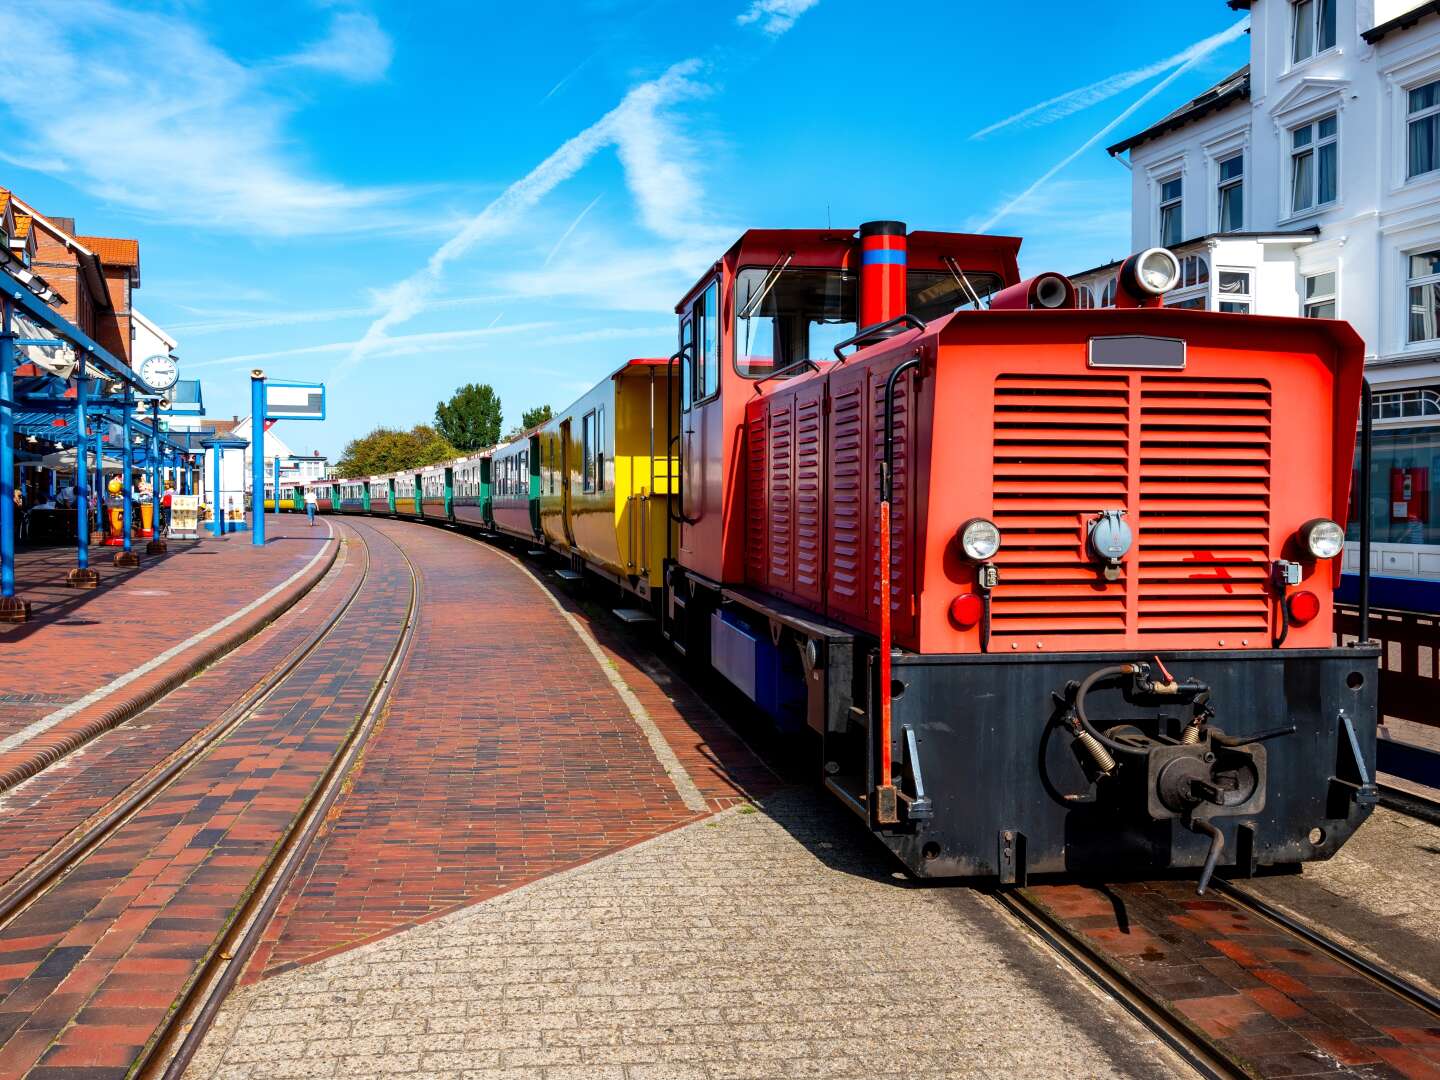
[771,277]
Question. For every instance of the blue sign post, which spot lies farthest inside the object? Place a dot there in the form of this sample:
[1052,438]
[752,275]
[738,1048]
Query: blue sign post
[275,401]
[257,456]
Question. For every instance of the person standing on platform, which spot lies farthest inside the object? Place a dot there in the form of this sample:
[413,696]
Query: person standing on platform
[165,507]
[311,504]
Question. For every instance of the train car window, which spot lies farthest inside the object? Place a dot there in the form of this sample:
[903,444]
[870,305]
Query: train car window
[709,362]
[933,293]
[600,450]
[797,315]
[687,359]
[587,450]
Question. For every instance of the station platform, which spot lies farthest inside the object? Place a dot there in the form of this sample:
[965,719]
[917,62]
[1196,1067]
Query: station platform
[89,658]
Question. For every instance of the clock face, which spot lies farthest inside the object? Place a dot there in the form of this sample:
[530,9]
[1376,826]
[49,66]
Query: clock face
[159,372]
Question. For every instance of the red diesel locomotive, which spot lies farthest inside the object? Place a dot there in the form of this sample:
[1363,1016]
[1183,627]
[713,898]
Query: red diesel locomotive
[1053,586]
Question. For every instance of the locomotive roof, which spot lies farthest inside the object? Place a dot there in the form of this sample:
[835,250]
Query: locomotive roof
[839,248]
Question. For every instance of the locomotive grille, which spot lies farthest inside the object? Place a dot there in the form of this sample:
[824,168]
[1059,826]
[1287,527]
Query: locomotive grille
[1187,458]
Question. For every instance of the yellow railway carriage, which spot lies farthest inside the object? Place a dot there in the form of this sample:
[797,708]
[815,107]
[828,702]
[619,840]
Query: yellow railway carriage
[604,482]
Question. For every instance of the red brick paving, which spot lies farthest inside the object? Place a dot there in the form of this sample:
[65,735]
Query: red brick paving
[38,814]
[81,640]
[89,971]
[1270,1002]
[506,756]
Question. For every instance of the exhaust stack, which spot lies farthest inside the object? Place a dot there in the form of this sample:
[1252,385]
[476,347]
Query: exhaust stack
[883,257]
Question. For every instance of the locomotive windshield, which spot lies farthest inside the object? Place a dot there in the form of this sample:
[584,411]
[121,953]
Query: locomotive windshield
[785,316]
[933,293]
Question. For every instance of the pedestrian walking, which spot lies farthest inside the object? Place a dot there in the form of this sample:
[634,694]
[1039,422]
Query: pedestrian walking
[311,504]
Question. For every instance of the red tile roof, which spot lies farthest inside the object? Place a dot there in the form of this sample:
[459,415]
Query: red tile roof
[114,251]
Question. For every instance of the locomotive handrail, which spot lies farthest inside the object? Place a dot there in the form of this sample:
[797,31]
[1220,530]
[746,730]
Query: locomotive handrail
[899,320]
[781,371]
[1366,450]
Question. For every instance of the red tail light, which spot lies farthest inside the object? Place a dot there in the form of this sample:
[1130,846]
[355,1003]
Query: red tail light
[966,610]
[1303,606]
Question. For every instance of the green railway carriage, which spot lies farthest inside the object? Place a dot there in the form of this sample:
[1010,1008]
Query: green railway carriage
[437,492]
[470,486]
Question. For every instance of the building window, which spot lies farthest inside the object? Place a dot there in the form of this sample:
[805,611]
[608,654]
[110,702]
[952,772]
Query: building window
[1313,164]
[1320,296]
[1412,404]
[1084,298]
[1313,28]
[1191,289]
[1232,193]
[1107,294]
[1424,296]
[1233,292]
[1171,203]
[1423,139]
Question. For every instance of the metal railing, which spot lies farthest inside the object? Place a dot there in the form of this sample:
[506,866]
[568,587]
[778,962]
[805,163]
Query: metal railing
[1409,659]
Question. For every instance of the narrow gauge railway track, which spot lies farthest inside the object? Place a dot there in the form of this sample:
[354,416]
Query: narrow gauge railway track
[1410,803]
[32,881]
[1112,981]
[178,1034]
[1207,1055]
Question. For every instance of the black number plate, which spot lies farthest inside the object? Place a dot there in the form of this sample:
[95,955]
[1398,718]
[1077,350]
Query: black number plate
[1137,351]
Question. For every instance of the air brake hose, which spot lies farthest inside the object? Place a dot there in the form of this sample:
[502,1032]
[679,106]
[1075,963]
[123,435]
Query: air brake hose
[1090,680]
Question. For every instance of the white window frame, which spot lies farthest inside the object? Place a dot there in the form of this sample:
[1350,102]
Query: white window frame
[1406,284]
[1313,149]
[1247,298]
[1433,112]
[1315,51]
[1332,297]
[1222,186]
[1162,204]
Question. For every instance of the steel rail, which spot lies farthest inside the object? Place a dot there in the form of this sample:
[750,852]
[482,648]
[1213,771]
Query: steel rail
[217,977]
[1410,803]
[1395,984]
[1159,1020]
[18,895]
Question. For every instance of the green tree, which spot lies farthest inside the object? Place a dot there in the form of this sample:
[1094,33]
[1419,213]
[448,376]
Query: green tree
[470,420]
[387,450]
[534,417]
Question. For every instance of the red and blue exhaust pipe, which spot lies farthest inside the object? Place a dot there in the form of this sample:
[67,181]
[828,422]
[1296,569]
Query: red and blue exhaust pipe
[883,259]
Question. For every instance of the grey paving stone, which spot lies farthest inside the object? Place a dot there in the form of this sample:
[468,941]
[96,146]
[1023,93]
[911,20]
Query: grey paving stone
[753,945]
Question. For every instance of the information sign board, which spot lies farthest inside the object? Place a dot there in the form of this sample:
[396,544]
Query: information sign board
[184,517]
[294,400]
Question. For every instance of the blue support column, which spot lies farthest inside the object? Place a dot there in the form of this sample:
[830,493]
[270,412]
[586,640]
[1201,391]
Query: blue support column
[257,458]
[12,608]
[98,503]
[82,577]
[217,521]
[157,545]
[127,469]
[277,483]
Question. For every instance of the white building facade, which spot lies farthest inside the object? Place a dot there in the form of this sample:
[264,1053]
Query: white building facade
[235,465]
[1308,183]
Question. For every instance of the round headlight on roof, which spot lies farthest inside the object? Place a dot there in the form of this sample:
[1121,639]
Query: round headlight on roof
[979,539]
[1322,538]
[1157,270]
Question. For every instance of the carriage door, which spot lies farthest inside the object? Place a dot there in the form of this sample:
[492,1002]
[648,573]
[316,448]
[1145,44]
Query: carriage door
[700,426]
[567,455]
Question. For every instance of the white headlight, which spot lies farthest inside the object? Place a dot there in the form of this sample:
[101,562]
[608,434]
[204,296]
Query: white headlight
[1157,270]
[1323,538]
[979,539]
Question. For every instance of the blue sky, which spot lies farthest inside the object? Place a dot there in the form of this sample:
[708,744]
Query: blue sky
[399,198]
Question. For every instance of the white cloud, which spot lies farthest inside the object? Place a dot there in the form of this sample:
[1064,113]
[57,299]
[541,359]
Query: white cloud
[658,172]
[774,16]
[354,47]
[400,345]
[1073,101]
[139,108]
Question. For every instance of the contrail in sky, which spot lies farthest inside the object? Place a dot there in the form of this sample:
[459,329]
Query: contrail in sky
[634,120]
[1074,101]
[1050,173]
